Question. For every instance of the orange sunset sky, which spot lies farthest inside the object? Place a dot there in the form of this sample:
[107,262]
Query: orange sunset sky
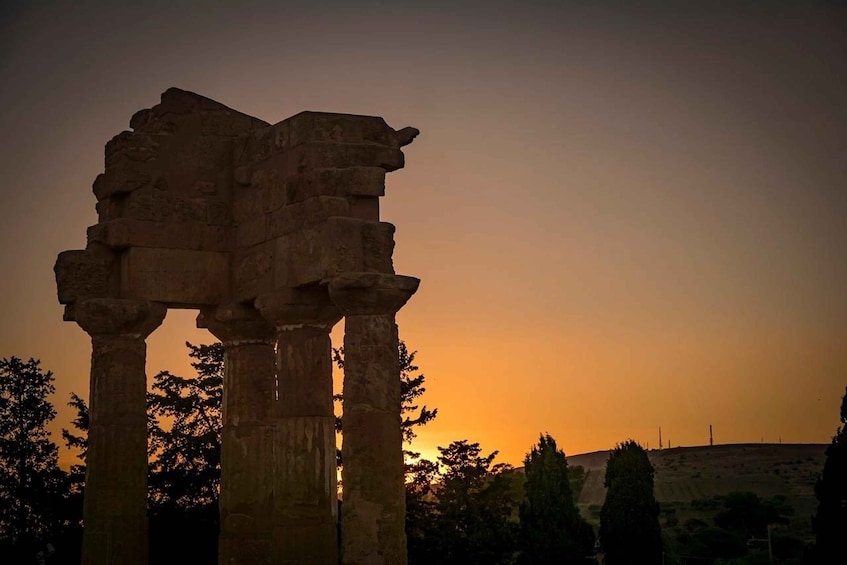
[623,217]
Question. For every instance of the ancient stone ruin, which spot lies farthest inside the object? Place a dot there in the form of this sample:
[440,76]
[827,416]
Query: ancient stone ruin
[272,232]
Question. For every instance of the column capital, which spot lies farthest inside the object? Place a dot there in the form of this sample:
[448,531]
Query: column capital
[119,317]
[371,293]
[235,323]
[297,307]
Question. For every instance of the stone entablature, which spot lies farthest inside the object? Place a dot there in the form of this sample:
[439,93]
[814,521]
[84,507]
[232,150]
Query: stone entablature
[201,205]
[273,233]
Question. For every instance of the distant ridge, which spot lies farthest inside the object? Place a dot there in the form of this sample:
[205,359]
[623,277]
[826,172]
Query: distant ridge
[689,473]
[597,459]
[688,479]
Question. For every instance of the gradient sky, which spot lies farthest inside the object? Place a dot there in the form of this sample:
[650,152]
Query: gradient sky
[623,217]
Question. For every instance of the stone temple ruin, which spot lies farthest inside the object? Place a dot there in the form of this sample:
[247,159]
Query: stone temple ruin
[272,232]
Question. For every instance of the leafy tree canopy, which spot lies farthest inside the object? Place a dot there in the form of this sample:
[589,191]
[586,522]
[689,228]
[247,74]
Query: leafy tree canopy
[474,523]
[184,432]
[747,515]
[32,486]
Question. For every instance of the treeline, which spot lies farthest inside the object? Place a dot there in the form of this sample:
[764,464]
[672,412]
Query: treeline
[463,508]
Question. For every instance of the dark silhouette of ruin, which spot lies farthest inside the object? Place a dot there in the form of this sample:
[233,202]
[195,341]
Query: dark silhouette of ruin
[272,232]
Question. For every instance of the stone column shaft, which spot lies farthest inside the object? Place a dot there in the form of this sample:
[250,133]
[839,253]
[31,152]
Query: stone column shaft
[306,496]
[374,510]
[305,486]
[249,396]
[115,504]
[373,516]
[246,501]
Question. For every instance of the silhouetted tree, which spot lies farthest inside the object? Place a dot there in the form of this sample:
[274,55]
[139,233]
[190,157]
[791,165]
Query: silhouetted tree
[76,490]
[473,524]
[552,530]
[747,515]
[184,432]
[421,476]
[830,520]
[32,486]
[576,478]
[79,443]
[184,442]
[709,544]
[629,519]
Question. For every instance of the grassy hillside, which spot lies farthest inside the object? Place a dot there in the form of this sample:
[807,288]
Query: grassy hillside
[688,478]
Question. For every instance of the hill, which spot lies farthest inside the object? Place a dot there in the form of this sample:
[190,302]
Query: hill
[688,479]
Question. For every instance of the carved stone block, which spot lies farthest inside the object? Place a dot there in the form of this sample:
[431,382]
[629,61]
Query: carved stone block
[175,277]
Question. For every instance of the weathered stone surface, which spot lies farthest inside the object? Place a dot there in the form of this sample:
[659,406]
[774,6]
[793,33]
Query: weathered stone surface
[364,208]
[250,375]
[373,513]
[271,231]
[342,128]
[378,247]
[116,316]
[305,213]
[318,253]
[115,506]
[374,503]
[175,276]
[315,127]
[350,181]
[134,147]
[109,208]
[129,232]
[156,205]
[371,293]
[253,270]
[267,178]
[298,306]
[235,323]
[81,274]
[120,181]
[246,498]
[252,231]
[247,486]
[324,155]
[305,503]
[250,202]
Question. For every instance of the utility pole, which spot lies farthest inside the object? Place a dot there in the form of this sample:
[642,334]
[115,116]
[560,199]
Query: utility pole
[770,546]
[660,437]
[711,440]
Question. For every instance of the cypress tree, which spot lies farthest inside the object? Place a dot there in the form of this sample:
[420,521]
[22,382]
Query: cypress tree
[552,530]
[629,519]
[830,520]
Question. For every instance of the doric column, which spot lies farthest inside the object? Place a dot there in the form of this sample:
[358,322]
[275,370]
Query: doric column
[305,486]
[115,506]
[246,499]
[374,509]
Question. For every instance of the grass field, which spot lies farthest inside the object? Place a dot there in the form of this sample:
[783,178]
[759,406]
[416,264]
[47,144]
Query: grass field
[687,474]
